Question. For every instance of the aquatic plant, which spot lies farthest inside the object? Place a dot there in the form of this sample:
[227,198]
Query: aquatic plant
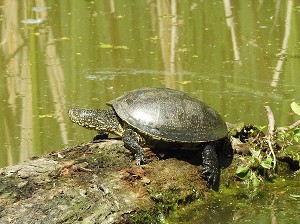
[264,151]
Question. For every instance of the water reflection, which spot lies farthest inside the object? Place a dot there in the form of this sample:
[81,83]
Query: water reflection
[85,53]
[283,52]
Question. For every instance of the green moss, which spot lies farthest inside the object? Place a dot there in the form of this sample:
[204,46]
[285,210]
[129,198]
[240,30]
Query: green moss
[143,216]
[282,167]
[168,200]
[293,152]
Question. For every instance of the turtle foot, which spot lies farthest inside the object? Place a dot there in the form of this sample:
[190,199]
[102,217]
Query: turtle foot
[211,168]
[212,176]
[139,159]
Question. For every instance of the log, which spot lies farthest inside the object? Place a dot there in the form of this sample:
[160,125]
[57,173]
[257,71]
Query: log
[95,183]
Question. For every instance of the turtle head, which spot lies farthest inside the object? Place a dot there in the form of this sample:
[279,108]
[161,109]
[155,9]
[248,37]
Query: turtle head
[87,118]
[95,119]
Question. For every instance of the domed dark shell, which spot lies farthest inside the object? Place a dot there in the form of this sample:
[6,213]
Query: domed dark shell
[169,115]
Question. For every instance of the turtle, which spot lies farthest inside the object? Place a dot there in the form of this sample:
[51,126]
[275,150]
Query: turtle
[160,117]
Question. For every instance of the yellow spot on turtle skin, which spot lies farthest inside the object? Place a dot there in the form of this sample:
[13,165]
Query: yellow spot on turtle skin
[118,133]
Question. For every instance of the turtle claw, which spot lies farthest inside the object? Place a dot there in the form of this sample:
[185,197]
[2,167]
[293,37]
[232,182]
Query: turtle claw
[138,162]
[212,177]
[139,159]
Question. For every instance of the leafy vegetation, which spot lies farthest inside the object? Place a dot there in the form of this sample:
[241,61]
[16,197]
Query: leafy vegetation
[263,152]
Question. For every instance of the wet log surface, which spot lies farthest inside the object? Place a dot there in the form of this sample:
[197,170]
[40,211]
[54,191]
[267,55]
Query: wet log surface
[95,183]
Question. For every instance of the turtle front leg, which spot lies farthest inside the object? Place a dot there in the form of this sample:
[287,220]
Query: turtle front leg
[131,141]
[211,168]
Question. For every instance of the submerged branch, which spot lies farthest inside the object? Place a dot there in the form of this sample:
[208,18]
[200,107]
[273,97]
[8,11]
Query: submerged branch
[271,119]
[271,132]
[292,126]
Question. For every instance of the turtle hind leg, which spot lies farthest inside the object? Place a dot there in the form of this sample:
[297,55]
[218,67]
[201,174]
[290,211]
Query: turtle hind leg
[211,167]
[131,141]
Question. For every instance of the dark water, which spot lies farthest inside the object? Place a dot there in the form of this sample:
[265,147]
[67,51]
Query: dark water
[235,55]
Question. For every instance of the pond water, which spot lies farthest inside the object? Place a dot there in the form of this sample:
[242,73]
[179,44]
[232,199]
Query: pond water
[237,56]
[278,202]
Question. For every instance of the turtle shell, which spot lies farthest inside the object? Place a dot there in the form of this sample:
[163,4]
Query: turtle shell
[169,115]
